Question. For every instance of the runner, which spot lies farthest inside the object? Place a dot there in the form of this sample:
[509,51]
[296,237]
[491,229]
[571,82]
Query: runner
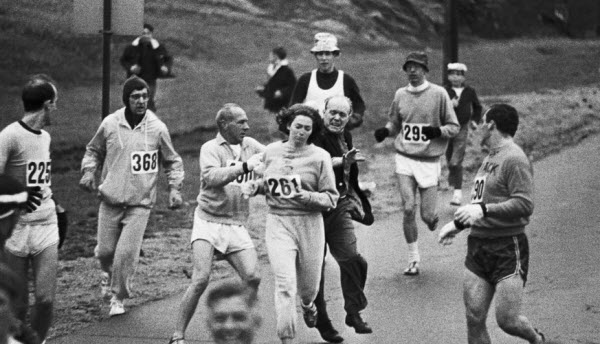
[314,87]
[339,228]
[129,147]
[422,119]
[25,156]
[226,163]
[497,259]
[299,184]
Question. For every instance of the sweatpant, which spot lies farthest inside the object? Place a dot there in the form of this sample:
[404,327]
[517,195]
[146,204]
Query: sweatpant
[120,235]
[295,249]
[455,154]
[340,237]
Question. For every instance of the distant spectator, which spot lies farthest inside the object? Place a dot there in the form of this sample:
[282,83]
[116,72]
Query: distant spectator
[232,317]
[278,89]
[468,110]
[327,81]
[148,59]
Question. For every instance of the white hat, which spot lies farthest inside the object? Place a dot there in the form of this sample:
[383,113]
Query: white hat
[457,66]
[325,41]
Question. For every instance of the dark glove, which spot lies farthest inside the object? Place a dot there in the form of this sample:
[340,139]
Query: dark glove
[34,198]
[431,132]
[381,134]
[63,224]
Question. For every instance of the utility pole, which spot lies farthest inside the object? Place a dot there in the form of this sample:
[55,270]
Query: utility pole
[106,42]
[450,46]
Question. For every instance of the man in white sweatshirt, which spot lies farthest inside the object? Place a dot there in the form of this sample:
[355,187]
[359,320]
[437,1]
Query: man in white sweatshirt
[129,147]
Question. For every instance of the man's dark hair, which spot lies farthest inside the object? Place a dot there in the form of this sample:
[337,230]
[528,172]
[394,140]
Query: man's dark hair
[505,117]
[149,27]
[286,116]
[280,52]
[38,89]
[230,289]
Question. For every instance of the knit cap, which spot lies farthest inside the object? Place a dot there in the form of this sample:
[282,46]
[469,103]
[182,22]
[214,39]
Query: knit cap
[132,84]
[12,194]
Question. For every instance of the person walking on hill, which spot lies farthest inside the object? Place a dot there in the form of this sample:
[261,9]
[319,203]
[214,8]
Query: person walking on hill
[497,259]
[326,81]
[129,147]
[277,92]
[422,119]
[25,156]
[148,59]
[339,227]
[468,112]
[227,162]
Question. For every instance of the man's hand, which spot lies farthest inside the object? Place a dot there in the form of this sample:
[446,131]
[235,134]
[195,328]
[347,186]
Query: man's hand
[175,200]
[250,188]
[135,69]
[353,156]
[88,182]
[34,198]
[469,213]
[164,70]
[447,233]
[381,134]
[254,161]
[455,101]
[431,132]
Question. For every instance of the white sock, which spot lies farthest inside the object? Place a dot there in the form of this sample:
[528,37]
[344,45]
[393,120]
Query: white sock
[458,193]
[413,252]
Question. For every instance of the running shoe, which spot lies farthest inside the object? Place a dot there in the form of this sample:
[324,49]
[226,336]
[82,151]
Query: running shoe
[310,314]
[116,307]
[412,269]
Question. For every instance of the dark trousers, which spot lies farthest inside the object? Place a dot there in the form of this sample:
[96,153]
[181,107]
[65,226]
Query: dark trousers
[340,237]
[455,154]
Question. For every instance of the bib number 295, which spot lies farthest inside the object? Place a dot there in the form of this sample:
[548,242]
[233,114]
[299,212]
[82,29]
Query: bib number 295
[144,162]
[413,133]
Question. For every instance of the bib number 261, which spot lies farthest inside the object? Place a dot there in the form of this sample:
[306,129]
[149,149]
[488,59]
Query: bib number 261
[284,186]
[144,162]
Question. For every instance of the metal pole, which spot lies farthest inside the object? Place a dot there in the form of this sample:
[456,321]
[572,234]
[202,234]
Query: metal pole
[450,38]
[106,41]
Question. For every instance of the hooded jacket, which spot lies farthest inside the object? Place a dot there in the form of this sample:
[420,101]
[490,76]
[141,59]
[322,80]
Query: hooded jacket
[121,151]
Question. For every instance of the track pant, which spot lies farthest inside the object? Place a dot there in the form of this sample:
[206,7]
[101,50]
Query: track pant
[120,235]
[340,237]
[455,154]
[295,248]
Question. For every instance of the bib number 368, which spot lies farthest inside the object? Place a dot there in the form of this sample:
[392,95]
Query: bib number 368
[284,186]
[143,162]
[38,172]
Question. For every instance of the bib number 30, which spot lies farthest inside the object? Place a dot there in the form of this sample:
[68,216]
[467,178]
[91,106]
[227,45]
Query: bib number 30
[478,187]
[284,186]
[143,162]
[38,172]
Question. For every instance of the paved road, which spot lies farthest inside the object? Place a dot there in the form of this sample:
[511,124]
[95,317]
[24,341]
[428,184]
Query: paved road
[562,295]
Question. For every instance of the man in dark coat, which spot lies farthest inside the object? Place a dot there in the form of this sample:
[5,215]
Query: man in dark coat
[278,89]
[353,205]
[148,59]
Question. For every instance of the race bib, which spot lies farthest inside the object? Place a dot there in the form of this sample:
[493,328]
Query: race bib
[284,186]
[38,172]
[143,162]
[478,187]
[412,133]
[241,179]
